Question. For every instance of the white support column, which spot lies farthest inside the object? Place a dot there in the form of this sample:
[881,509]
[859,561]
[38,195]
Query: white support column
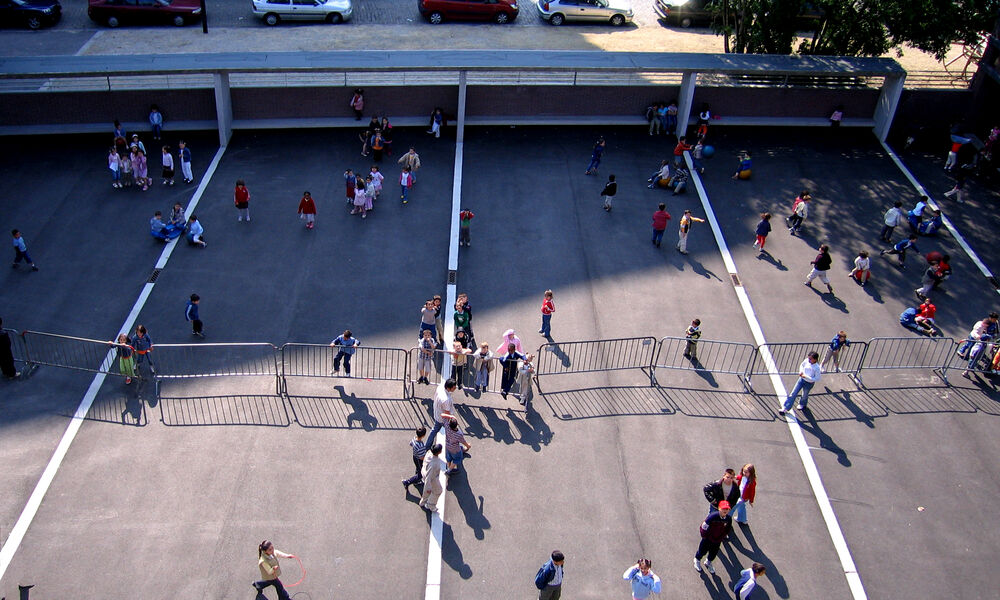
[888,100]
[460,127]
[685,101]
[223,107]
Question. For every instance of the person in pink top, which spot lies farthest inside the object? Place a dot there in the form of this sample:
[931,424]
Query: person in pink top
[660,218]
[509,337]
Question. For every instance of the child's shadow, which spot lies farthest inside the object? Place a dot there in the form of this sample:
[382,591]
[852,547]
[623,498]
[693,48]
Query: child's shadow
[765,256]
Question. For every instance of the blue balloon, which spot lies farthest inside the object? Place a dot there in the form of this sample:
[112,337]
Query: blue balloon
[708,151]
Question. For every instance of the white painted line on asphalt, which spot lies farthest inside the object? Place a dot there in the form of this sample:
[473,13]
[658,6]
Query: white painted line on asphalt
[432,590]
[86,46]
[20,528]
[812,472]
[944,219]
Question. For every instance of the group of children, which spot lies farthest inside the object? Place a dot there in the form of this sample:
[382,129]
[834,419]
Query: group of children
[363,191]
[176,226]
[129,165]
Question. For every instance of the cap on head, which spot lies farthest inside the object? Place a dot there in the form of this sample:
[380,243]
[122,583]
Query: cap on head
[724,505]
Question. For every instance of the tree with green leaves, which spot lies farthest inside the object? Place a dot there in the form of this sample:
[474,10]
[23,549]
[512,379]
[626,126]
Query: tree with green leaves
[853,27]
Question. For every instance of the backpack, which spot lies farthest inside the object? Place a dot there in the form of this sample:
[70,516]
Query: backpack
[540,578]
[650,112]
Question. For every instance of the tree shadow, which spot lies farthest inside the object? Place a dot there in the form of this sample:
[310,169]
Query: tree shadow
[475,516]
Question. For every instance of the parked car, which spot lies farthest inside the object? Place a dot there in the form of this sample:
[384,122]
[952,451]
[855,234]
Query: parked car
[700,13]
[115,12]
[498,11]
[685,14]
[275,11]
[33,14]
[556,12]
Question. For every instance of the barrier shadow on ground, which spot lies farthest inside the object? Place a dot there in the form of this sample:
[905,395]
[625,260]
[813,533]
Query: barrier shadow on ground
[350,411]
[719,404]
[509,424]
[266,410]
[612,401]
[119,403]
[828,404]
[979,390]
[923,399]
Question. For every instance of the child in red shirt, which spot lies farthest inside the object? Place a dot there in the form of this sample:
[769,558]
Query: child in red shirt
[548,307]
[679,150]
[307,209]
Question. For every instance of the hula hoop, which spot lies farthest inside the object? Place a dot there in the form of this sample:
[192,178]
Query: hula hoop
[303,569]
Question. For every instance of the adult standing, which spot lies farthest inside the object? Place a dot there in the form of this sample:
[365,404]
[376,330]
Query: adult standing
[6,355]
[443,407]
[595,156]
[270,569]
[184,153]
[821,264]
[685,227]
[410,159]
[346,345]
[660,218]
[609,191]
[714,529]
[643,580]
[431,473]
[723,489]
[809,374]
[549,578]
[893,217]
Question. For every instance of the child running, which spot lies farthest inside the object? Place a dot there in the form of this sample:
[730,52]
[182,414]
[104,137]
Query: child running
[763,228]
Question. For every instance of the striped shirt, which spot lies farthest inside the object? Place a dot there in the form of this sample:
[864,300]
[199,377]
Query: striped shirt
[419,448]
[453,439]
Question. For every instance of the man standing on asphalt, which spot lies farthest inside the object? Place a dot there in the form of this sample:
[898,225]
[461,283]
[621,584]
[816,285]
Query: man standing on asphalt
[443,407]
[809,374]
[549,578]
[714,530]
[660,218]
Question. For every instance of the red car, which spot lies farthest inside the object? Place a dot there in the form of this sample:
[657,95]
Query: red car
[498,11]
[115,12]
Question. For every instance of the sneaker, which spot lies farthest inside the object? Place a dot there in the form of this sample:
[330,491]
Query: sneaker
[34,268]
[541,332]
[781,412]
[881,252]
[406,485]
[128,381]
[807,283]
[708,565]
[800,407]
[697,565]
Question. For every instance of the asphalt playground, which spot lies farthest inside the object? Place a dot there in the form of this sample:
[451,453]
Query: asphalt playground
[168,495]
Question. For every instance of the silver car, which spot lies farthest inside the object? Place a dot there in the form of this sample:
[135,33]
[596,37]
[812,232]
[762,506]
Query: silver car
[275,11]
[556,12]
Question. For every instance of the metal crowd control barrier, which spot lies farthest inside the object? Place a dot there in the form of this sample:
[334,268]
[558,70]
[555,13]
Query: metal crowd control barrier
[189,361]
[980,356]
[731,358]
[367,362]
[563,358]
[465,375]
[789,356]
[67,352]
[932,353]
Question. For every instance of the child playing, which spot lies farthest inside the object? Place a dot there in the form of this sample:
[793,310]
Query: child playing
[307,209]
[377,178]
[191,314]
[126,362]
[126,168]
[168,166]
[548,307]
[360,202]
[464,221]
[350,184]
[21,250]
[800,210]
[691,334]
[419,446]
[115,165]
[763,228]
[454,443]
[679,150]
[459,358]
[177,219]
[900,248]
[241,199]
[524,374]
[425,357]
[862,270]
[185,156]
[370,192]
[482,363]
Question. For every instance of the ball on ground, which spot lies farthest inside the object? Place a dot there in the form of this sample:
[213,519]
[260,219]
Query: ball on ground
[708,151]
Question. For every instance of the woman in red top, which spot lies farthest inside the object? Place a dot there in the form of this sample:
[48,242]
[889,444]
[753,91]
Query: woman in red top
[747,480]
[241,197]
